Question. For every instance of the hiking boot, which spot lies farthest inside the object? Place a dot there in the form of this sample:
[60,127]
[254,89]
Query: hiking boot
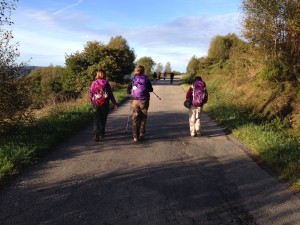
[141,138]
[97,138]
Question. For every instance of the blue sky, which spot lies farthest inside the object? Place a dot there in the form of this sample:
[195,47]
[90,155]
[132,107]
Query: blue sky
[166,30]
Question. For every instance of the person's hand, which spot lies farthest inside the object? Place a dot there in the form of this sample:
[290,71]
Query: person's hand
[115,107]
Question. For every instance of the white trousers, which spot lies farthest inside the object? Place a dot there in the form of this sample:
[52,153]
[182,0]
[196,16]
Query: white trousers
[194,119]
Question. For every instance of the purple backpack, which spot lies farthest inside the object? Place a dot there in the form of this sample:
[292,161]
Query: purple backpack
[99,95]
[139,89]
[198,93]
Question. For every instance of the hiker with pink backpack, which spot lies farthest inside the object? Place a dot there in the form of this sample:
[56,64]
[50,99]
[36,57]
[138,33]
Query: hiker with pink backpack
[139,90]
[100,94]
[196,96]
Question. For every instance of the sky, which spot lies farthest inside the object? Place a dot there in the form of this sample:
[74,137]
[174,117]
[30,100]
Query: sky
[166,30]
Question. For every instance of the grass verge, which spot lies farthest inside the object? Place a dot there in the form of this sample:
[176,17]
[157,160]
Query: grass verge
[27,146]
[271,140]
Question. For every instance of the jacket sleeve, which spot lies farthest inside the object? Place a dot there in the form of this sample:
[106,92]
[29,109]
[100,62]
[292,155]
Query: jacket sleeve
[189,93]
[206,96]
[110,94]
[129,87]
[91,90]
[149,85]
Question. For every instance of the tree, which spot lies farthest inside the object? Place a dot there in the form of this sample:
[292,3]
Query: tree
[193,66]
[46,85]
[14,100]
[274,25]
[148,63]
[220,46]
[116,58]
[159,67]
[168,67]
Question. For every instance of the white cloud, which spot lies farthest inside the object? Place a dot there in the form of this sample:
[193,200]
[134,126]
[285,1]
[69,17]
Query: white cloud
[49,35]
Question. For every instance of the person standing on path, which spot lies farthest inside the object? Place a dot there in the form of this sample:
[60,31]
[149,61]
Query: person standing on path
[198,96]
[100,94]
[139,89]
[171,78]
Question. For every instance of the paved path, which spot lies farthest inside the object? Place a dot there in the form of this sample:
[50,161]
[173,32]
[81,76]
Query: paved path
[170,178]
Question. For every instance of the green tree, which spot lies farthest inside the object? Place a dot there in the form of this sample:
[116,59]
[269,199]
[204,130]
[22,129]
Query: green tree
[14,100]
[220,46]
[274,25]
[159,67]
[168,67]
[193,66]
[116,58]
[46,86]
[148,63]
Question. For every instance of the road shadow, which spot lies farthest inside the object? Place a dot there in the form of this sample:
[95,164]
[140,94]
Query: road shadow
[174,193]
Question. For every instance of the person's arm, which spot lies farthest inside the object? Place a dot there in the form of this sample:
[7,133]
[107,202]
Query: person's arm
[206,96]
[91,90]
[149,86]
[111,96]
[129,87]
[189,93]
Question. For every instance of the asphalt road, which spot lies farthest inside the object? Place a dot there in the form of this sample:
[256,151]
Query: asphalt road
[170,178]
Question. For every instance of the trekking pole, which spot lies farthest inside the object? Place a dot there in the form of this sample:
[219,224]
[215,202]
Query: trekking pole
[128,118]
[156,95]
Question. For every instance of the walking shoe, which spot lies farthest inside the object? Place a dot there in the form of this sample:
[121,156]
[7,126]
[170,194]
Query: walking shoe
[97,138]
[141,138]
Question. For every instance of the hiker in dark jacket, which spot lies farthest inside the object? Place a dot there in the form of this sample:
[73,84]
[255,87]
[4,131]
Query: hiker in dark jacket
[139,89]
[100,102]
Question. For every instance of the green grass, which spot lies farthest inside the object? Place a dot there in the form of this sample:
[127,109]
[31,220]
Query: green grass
[26,146]
[270,140]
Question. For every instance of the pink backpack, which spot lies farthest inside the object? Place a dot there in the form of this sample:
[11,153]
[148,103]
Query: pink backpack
[198,93]
[99,95]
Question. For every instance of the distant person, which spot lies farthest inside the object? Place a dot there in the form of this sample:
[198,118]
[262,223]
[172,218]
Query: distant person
[165,75]
[139,89]
[198,96]
[100,93]
[154,76]
[171,78]
[159,75]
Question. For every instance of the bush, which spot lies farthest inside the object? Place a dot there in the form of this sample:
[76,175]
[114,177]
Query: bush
[275,70]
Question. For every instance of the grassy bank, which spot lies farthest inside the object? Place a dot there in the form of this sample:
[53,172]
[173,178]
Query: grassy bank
[274,141]
[26,146]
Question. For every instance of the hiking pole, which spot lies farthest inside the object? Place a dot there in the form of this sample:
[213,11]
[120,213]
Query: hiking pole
[156,95]
[128,118]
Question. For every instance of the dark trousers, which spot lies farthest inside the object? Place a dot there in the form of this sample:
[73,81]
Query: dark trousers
[139,117]
[100,118]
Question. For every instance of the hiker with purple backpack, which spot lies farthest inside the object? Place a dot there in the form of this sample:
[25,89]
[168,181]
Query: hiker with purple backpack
[139,89]
[100,94]
[197,96]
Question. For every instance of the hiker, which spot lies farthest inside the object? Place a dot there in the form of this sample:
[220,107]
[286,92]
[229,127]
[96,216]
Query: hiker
[139,90]
[154,77]
[100,94]
[171,78]
[198,96]
[165,75]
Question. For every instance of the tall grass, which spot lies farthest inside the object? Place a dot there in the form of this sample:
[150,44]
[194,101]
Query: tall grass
[270,140]
[26,146]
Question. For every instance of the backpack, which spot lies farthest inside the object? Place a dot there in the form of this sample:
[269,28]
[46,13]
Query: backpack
[199,93]
[99,95]
[139,89]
